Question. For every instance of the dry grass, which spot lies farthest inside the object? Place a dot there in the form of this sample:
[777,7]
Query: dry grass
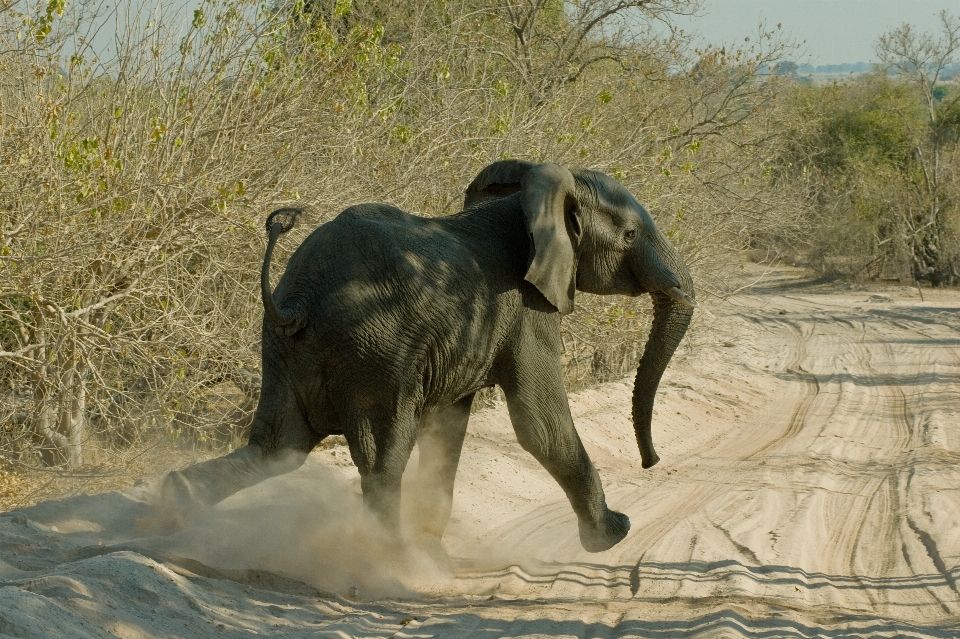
[22,486]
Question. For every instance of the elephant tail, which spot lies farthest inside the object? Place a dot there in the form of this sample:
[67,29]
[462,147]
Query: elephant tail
[290,320]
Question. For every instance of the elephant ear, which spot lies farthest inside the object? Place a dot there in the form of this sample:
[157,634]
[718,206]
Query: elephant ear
[548,197]
[500,179]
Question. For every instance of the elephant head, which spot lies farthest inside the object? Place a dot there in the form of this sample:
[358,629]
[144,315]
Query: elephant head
[590,234]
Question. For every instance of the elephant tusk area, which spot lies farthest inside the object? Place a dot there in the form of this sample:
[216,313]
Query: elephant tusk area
[679,296]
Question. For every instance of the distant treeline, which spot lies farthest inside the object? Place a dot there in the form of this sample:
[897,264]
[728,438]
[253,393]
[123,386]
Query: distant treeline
[846,67]
[948,72]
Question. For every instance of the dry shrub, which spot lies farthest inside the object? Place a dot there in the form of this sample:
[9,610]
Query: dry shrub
[134,182]
[878,160]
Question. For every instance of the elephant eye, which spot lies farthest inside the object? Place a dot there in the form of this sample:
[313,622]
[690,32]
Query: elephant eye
[630,234]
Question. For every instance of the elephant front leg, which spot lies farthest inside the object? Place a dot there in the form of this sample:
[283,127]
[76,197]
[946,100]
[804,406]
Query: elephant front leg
[541,419]
[440,442]
[552,439]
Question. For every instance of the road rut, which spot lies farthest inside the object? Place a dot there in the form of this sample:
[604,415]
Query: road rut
[809,486]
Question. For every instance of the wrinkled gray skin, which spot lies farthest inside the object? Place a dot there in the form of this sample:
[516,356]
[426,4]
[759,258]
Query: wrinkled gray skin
[385,325]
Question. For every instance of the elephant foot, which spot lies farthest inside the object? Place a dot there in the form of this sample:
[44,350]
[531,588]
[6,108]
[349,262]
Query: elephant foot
[650,460]
[432,547]
[178,506]
[613,528]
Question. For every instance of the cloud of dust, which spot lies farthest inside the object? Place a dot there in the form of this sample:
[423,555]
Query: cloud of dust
[311,525]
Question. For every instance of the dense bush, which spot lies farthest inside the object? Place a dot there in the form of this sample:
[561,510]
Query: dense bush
[880,160]
[134,181]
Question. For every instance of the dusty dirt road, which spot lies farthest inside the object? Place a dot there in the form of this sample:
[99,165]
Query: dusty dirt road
[809,486]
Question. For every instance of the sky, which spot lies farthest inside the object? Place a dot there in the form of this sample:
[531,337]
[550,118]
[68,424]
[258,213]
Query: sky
[836,31]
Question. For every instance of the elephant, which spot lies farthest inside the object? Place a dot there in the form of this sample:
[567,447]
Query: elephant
[385,324]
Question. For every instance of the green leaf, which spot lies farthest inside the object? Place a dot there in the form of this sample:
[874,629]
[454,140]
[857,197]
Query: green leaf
[342,8]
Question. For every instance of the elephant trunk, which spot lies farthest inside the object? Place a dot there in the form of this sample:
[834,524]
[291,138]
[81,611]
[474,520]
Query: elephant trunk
[672,311]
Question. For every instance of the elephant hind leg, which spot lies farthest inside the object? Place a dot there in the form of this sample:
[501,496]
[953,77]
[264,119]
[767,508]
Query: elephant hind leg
[280,440]
[380,445]
[440,442]
[190,492]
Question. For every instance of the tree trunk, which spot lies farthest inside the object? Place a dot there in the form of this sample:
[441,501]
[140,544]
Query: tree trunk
[61,420]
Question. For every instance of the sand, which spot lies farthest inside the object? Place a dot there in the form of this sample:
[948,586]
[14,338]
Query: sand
[809,486]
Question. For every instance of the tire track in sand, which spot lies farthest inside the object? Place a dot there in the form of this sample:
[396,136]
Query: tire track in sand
[673,501]
[847,388]
[896,519]
[676,501]
[884,497]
